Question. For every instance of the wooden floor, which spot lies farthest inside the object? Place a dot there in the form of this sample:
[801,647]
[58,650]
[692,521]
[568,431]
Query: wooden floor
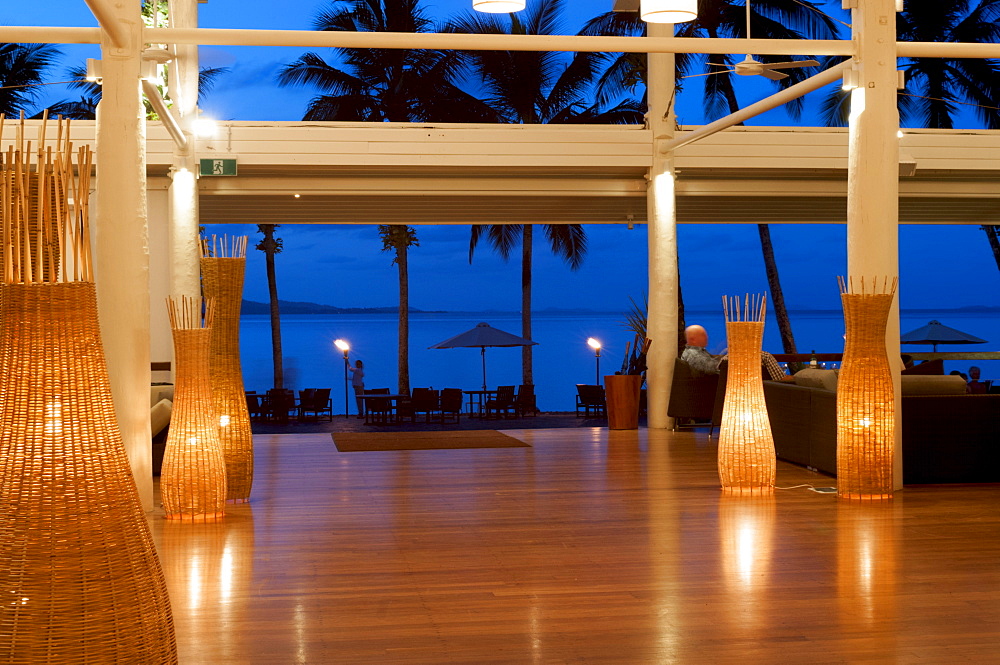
[584,548]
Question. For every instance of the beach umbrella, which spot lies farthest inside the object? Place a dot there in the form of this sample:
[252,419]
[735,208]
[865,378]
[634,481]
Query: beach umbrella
[937,333]
[482,336]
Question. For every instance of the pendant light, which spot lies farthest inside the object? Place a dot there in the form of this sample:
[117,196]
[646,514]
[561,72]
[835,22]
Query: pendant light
[498,6]
[668,11]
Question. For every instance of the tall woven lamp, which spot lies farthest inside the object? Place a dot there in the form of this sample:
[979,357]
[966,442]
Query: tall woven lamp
[193,480]
[746,448]
[79,576]
[866,411]
[222,265]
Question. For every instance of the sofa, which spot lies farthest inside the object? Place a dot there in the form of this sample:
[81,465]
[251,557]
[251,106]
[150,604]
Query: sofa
[947,436]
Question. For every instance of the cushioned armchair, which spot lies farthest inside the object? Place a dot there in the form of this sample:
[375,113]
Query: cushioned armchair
[692,396]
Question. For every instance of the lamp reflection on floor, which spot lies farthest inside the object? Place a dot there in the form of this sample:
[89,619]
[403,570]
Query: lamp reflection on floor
[746,528]
[209,567]
[866,573]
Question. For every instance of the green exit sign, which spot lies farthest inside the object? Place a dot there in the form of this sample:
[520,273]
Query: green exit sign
[218,167]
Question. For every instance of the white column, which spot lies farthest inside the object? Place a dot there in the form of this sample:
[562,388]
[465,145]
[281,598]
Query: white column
[873,166]
[122,252]
[185,269]
[661,323]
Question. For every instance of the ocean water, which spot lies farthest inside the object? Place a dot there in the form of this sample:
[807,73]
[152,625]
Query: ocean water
[561,359]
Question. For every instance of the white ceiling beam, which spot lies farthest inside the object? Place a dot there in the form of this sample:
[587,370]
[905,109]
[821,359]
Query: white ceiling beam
[49,35]
[313,38]
[105,15]
[477,42]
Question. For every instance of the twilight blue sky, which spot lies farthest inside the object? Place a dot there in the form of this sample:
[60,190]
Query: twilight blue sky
[940,266]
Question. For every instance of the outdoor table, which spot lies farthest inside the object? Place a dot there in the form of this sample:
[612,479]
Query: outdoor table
[476,405]
[393,404]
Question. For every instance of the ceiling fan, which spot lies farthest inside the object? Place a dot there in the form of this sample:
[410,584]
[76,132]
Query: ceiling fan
[751,67]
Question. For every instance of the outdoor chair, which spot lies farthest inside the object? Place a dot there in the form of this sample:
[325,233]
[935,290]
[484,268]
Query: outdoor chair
[316,401]
[503,403]
[590,399]
[423,400]
[254,407]
[692,397]
[378,411]
[524,403]
[451,404]
[279,403]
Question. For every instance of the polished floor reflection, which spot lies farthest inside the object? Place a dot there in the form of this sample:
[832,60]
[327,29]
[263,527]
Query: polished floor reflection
[587,547]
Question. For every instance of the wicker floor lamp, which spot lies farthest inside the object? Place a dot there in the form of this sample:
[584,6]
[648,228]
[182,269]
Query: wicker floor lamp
[746,448]
[866,411]
[193,480]
[78,571]
[222,265]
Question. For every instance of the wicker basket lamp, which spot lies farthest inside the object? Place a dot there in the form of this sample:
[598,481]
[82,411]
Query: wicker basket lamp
[866,411]
[193,480]
[746,448]
[78,571]
[222,265]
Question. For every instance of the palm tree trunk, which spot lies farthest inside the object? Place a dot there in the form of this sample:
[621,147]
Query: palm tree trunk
[527,377]
[770,265]
[774,285]
[272,289]
[404,320]
[993,235]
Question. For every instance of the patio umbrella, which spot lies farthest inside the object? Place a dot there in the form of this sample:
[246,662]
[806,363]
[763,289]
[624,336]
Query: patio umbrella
[937,333]
[483,335]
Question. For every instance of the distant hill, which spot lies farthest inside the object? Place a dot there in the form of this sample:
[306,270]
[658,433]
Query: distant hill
[289,307]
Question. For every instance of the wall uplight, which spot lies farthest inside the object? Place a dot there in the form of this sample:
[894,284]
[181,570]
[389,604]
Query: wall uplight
[668,11]
[498,6]
[205,128]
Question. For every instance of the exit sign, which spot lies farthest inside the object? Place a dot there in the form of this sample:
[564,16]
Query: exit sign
[218,167]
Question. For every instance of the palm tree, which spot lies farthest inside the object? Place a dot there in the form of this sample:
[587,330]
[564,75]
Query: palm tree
[271,246]
[85,108]
[398,238]
[534,87]
[380,85]
[22,68]
[993,237]
[768,19]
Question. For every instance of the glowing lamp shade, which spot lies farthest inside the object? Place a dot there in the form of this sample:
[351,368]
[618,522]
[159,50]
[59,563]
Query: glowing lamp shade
[193,480]
[205,128]
[668,11]
[80,577]
[222,265]
[498,6]
[866,413]
[747,460]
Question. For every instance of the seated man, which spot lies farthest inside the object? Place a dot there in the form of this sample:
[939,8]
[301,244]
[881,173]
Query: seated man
[702,362]
[976,387]
[695,354]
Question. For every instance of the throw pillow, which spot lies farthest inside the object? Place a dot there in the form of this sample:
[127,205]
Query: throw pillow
[825,379]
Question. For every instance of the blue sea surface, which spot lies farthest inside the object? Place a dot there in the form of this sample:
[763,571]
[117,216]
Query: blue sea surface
[561,359]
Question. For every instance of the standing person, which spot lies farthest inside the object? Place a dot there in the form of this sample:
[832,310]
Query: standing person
[358,383]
